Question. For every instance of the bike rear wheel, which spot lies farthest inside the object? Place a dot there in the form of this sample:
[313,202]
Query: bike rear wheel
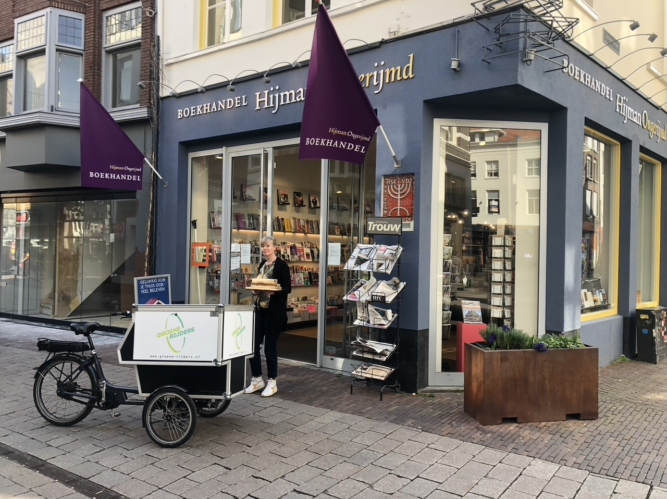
[169,416]
[58,388]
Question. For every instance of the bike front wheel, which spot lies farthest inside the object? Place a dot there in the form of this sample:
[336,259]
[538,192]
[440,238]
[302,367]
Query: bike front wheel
[170,417]
[61,388]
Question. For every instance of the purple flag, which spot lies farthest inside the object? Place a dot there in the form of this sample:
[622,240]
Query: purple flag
[109,159]
[339,121]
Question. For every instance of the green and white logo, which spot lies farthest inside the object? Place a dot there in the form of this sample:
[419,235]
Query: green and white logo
[239,328]
[175,333]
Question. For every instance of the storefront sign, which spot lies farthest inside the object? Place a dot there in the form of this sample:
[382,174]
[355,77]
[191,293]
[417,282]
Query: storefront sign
[22,217]
[237,333]
[176,336]
[152,290]
[384,226]
[398,198]
[639,118]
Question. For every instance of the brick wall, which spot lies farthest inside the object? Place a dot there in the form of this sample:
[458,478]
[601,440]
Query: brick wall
[93,54]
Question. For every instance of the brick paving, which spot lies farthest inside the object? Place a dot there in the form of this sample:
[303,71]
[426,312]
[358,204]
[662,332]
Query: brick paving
[314,439]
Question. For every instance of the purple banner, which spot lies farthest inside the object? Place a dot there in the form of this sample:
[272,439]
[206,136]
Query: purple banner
[109,159]
[339,121]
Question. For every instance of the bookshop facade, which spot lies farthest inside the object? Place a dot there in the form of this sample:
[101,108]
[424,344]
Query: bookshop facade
[530,197]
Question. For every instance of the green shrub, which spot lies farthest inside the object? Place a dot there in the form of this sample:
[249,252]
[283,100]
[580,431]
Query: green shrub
[506,338]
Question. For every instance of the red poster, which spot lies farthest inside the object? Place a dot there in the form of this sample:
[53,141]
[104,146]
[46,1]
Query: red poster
[398,198]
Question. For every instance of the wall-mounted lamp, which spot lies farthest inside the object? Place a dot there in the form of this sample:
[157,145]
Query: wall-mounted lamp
[651,38]
[456,64]
[173,93]
[529,57]
[266,75]
[200,88]
[211,75]
[231,86]
[649,81]
[634,26]
[296,62]
[663,53]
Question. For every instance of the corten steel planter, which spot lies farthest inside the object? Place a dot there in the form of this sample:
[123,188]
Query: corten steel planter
[527,386]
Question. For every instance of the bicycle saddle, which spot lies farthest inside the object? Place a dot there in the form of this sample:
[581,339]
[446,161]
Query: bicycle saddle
[85,329]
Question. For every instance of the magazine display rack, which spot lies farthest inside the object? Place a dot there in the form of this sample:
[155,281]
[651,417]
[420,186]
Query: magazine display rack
[502,279]
[374,298]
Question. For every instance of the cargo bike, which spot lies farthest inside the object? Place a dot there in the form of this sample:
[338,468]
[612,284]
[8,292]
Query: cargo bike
[188,360]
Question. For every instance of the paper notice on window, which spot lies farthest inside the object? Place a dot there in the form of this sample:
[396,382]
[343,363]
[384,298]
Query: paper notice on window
[235,257]
[236,248]
[333,255]
[245,253]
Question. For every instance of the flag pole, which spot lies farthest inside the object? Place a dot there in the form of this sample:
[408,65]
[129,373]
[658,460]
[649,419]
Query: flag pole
[156,173]
[397,162]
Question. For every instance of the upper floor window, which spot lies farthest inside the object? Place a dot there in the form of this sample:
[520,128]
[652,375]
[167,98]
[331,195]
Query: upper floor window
[31,33]
[123,56]
[473,169]
[298,9]
[223,21]
[70,31]
[533,167]
[492,169]
[123,26]
[6,58]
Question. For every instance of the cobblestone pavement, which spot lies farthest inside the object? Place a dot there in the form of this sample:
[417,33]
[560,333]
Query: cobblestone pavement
[314,439]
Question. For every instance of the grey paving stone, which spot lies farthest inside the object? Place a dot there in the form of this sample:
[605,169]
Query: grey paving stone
[135,464]
[52,490]
[242,488]
[316,485]
[490,487]
[473,470]
[457,485]
[632,490]
[86,470]
[345,435]
[410,448]
[370,474]
[504,472]
[274,490]
[428,456]
[325,446]
[135,489]
[657,493]
[599,485]
[302,458]
[541,469]
[455,458]
[303,474]
[419,487]
[146,472]
[468,448]
[349,449]
[46,453]
[490,456]
[347,488]
[390,484]
[549,495]
[402,434]
[572,474]
[364,457]
[289,449]
[342,471]
[296,495]
[445,444]
[529,485]
[384,445]
[14,490]
[441,494]
[562,487]
[410,469]
[274,472]
[518,461]
[31,480]
[438,472]
[391,460]
[161,494]
[166,477]
[236,475]
[207,473]
[591,494]
[327,461]
[109,478]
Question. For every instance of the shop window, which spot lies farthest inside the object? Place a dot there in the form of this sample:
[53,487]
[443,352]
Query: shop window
[649,232]
[473,169]
[493,202]
[223,21]
[599,243]
[482,275]
[293,10]
[122,42]
[533,167]
[492,169]
[533,199]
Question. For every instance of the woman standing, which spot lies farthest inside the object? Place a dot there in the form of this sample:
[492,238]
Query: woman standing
[270,319]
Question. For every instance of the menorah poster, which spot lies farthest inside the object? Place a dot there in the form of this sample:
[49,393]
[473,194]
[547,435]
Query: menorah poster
[398,198]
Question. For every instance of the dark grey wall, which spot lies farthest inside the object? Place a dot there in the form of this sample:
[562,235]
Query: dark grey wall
[506,90]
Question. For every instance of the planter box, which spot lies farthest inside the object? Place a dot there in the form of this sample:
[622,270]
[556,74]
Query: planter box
[528,386]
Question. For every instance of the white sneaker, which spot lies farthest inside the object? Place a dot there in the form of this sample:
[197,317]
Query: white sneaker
[255,385]
[270,389]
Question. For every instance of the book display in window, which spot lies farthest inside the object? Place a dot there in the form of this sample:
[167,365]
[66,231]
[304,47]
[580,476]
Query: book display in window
[501,310]
[373,300]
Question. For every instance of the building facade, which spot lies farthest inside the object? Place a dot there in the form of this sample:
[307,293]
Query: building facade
[69,253]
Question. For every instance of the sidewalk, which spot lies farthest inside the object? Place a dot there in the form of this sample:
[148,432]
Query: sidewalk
[314,439]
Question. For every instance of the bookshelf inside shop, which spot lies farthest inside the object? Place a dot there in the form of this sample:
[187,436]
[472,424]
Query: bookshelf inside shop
[373,301]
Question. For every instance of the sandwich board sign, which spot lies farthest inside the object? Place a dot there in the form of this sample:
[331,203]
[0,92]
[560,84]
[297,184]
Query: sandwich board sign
[152,290]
